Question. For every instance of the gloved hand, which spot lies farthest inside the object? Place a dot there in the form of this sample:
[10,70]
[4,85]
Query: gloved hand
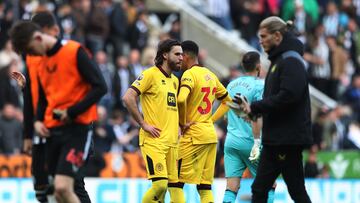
[255,151]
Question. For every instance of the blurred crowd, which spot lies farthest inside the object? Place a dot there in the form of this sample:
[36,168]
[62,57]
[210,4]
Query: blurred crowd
[122,35]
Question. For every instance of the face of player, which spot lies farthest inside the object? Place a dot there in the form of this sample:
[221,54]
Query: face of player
[36,46]
[184,63]
[53,31]
[175,58]
[267,40]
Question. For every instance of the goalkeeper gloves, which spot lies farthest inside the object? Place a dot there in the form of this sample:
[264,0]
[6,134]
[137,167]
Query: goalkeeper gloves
[237,105]
[255,151]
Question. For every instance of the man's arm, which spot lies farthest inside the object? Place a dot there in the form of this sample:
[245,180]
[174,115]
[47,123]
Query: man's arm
[182,98]
[256,127]
[130,100]
[292,87]
[222,109]
[42,103]
[28,110]
[91,73]
[40,113]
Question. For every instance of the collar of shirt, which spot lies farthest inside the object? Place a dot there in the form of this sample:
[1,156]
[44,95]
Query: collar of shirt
[55,48]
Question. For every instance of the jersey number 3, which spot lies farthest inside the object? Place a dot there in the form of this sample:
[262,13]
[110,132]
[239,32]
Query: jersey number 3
[208,103]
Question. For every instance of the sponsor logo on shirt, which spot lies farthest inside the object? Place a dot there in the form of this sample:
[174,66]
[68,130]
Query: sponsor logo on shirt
[51,69]
[140,77]
[186,80]
[171,99]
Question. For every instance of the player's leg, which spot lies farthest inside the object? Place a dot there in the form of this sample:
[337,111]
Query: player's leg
[53,150]
[75,140]
[190,162]
[252,168]
[79,189]
[39,172]
[174,186]
[207,153]
[79,183]
[234,168]
[176,192]
[155,161]
[64,192]
[267,172]
[293,174]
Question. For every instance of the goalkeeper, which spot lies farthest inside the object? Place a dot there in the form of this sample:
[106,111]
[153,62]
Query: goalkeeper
[242,144]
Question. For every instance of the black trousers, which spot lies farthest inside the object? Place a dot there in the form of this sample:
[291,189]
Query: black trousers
[276,160]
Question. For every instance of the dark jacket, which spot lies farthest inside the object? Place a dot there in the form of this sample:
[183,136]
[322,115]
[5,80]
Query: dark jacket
[286,102]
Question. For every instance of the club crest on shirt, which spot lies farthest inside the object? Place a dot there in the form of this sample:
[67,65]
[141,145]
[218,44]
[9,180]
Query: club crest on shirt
[163,82]
[159,167]
[273,68]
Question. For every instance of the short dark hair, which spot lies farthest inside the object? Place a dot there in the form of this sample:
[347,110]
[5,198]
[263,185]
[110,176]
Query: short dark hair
[249,60]
[164,47]
[21,34]
[44,19]
[190,47]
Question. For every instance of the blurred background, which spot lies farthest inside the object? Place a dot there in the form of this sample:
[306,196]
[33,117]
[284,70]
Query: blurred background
[122,36]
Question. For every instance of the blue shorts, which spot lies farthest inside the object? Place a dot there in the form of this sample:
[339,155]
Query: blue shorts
[237,160]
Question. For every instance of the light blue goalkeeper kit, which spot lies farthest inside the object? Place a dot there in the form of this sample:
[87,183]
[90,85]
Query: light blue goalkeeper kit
[239,131]
[239,139]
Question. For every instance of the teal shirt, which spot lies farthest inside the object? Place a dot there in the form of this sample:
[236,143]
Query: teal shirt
[239,133]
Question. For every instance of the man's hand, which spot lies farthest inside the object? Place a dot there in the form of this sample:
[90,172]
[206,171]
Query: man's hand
[185,127]
[240,106]
[27,146]
[19,77]
[62,115]
[41,129]
[255,151]
[242,102]
[154,131]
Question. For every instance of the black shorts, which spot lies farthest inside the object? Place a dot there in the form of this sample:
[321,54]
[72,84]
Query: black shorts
[68,149]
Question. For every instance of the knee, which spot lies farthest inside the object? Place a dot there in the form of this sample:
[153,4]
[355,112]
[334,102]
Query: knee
[62,189]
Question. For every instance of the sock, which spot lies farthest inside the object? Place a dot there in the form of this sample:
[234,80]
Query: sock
[42,191]
[229,196]
[271,196]
[156,194]
[41,196]
[176,193]
[205,193]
